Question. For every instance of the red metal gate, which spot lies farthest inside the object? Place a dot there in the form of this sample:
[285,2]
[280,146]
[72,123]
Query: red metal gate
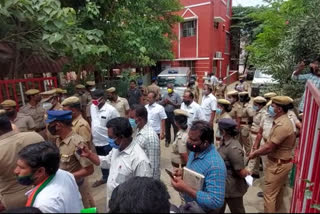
[307,158]
[15,89]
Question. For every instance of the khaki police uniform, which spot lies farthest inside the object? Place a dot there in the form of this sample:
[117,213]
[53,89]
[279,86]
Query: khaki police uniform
[82,128]
[48,135]
[24,122]
[121,104]
[37,114]
[247,114]
[217,135]
[72,162]
[179,146]
[279,160]
[155,89]
[12,194]
[219,91]
[236,186]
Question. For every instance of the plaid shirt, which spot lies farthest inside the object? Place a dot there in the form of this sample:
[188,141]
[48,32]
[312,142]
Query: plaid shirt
[313,78]
[149,142]
[211,165]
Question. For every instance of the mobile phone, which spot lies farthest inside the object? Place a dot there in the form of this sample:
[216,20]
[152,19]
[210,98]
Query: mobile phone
[79,151]
[169,173]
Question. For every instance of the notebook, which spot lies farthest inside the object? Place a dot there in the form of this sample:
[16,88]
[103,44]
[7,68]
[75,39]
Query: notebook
[193,178]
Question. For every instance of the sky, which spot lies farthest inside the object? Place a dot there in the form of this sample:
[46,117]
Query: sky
[247,2]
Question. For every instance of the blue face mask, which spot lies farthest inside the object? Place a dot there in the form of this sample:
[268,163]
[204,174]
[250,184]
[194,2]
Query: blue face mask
[132,123]
[112,143]
[218,111]
[271,111]
[256,108]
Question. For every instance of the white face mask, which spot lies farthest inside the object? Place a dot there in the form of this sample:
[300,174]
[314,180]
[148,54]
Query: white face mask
[47,106]
[93,89]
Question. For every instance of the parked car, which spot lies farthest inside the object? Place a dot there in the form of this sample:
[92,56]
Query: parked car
[178,76]
[262,82]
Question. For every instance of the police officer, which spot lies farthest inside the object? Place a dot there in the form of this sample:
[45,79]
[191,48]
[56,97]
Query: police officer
[242,86]
[50,100]
[258,106]
[119,103]
[223,109]
[34,109]
[69,143]
[154,87]
[279,147]
[79,124]
[219,90]
[269,95]
[194,89]
[12,193]
[179,155]
[236,112]
[246,120]
[22,121]
[80,91]
[233,156]
[90,86]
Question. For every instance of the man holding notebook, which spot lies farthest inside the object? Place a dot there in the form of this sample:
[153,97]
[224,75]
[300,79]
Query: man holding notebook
[204,163]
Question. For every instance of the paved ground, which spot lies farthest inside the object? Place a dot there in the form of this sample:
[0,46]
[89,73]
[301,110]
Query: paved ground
[252,203]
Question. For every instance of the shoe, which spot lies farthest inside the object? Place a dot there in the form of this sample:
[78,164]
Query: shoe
[260,194]
[255,176]
[98,183]
[167,144]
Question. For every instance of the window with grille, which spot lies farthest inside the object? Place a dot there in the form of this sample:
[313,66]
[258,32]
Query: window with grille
[227,46]
[189,28]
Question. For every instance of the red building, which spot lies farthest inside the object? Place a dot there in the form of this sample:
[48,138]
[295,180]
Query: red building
[203,42]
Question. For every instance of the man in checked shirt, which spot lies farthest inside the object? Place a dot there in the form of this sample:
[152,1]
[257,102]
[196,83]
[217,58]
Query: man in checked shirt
[204,159]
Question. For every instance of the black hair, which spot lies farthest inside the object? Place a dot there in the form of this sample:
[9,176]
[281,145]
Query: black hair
[209,87]
[285,108]
[133,81]
[232,131]
[261,104]
[5,124]
[205,128]
[140,195]
[235,96]
[67,122]
[290,106]
[76,106]
[97,93]
[182,120]
[244,98]
[120,127]
[43,154]
[140,111]
[226,107]
[23,210]
[154,94]
[190,93]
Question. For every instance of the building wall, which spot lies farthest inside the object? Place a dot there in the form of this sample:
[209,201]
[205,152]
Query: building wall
[208,39]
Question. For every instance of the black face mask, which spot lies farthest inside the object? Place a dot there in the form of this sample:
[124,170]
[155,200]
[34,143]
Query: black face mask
[194,148]
[52,130]
[187,102]
[242,99]
[10,113]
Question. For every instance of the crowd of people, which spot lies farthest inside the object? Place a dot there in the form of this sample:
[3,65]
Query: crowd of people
[50,146]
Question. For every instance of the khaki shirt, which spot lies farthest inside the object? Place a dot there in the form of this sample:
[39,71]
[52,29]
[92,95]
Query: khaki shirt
[236,111]
[70,160]
[257,120]
[179,146]
[10,145]
[36,112]
[24,122]
[122,106]
[216,121]
[293,118]
[266,125]
[49,136]
[82,128]
[219,91]
[283,136]
[233,155]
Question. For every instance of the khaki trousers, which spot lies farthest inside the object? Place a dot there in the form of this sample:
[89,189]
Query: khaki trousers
[253,164]
[87,198]
[14,200]
[244,138]
[276,176]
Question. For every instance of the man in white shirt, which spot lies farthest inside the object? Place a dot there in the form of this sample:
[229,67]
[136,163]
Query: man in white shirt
[194,109]
[209,103]
[55,191]
[126,159]
[101,113]
[156,115]
[147,138]
[213,80]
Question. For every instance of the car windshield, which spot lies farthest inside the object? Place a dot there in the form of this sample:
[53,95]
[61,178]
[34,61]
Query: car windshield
[262,74]
[176,80]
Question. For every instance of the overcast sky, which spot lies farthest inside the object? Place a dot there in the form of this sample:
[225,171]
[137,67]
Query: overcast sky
[247,2]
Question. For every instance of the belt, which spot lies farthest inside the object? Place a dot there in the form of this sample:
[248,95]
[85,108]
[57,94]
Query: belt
[253,132]
[276,160]
[178,165]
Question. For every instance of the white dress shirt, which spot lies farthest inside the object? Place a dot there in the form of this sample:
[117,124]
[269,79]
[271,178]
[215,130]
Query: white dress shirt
[149,141]
[156,113]
[99,120]
[208,105]
[124,165]
[61,195]
[195,112]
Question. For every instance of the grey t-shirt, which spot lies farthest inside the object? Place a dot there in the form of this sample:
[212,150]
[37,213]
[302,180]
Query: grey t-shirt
[175,98]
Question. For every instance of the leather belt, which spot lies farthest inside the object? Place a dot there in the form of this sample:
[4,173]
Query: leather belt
[178,165]
[276,160]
